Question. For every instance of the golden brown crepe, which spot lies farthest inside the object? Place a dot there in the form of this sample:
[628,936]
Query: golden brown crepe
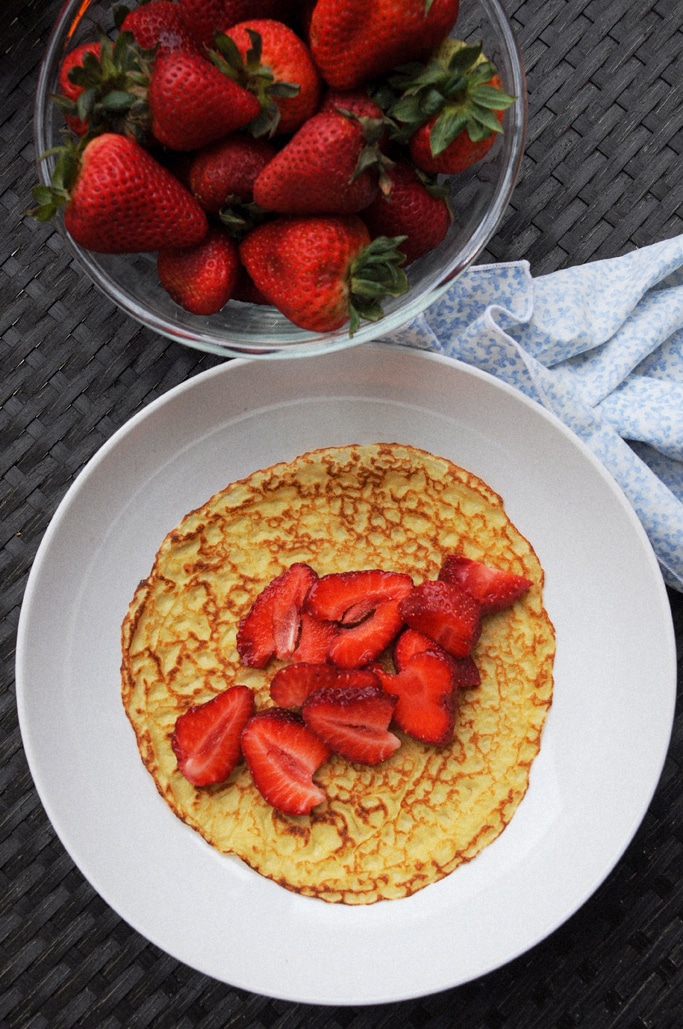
[384,831]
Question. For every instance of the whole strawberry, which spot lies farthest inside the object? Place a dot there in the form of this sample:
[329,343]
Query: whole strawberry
[71,90]
[411,208]
[354,41]
[332,165]
[438,156]
[323,271]
[223,174]
[350,101]
[192,103]
[450,110]
[118,199]
[103,87]
[269,59]
[204,18]
[201,278]
[158,25]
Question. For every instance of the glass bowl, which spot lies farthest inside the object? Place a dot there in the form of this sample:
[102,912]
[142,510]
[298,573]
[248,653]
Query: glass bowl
[478,197]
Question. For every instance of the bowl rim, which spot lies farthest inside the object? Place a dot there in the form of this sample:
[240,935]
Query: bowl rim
[299,342]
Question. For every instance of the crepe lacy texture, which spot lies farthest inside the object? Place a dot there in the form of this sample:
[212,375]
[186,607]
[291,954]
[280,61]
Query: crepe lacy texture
[383,831]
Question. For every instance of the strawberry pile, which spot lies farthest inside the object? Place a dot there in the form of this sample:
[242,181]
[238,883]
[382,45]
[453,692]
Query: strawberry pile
[361,653]
[286,152]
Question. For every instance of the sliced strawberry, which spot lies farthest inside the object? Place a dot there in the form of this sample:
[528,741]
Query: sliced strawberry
[465,672]
[353,721]
[362,643]
[444,612]
[282,755]
[349,597]
[206,737]
[291,684]
[272,625]
[427,701]
[493,588]
[315,640]
[412,642]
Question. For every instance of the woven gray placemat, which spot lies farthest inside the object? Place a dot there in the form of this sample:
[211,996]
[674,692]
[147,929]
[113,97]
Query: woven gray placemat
[601,175]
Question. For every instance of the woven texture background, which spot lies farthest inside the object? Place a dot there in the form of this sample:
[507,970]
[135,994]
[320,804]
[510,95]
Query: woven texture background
[602,174]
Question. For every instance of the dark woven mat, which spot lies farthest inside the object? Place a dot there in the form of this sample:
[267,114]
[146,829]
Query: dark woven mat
[602,174]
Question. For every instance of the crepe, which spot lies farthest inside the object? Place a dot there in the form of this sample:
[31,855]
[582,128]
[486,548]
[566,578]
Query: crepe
[386,831]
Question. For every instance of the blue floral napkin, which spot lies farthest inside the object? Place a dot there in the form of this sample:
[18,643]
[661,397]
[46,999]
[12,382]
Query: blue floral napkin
[601,346]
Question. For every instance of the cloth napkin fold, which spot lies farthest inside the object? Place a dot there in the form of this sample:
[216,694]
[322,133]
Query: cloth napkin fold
[601,346]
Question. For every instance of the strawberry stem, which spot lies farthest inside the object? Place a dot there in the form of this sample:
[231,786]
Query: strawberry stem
[114,87]
[455,86]
[258,78]
[375,273]
[49,199]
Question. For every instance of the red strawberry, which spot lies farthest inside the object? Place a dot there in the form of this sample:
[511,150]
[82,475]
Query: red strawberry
[353,721]
[349,597]
[427,697]
[454,157]
[451,110]
[223,173]
[268,58]
[282,755]
[271,627]
[411,642]
[201,278]
[359,644]
[158,25]
[192,103]
[206,738]
[409,208]
[204,18]
[291,684]
[315,640]
[120,200]
[444,612]
[246,291]
[493,588]
[354,41]
[351,101]
[365,606]
[104,88]
[71,90]
[332,165]
[465,672]
[323,271]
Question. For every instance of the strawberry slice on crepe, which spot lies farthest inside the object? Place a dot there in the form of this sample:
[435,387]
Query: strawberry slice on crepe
[493,588]
[206,738]
[353,722]
[410,642]
[282,755]
[427,697]
[272,626]
[292,684]
[365,606]
[446,613]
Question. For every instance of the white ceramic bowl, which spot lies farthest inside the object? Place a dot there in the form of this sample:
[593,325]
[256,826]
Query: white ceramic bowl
[479,198]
